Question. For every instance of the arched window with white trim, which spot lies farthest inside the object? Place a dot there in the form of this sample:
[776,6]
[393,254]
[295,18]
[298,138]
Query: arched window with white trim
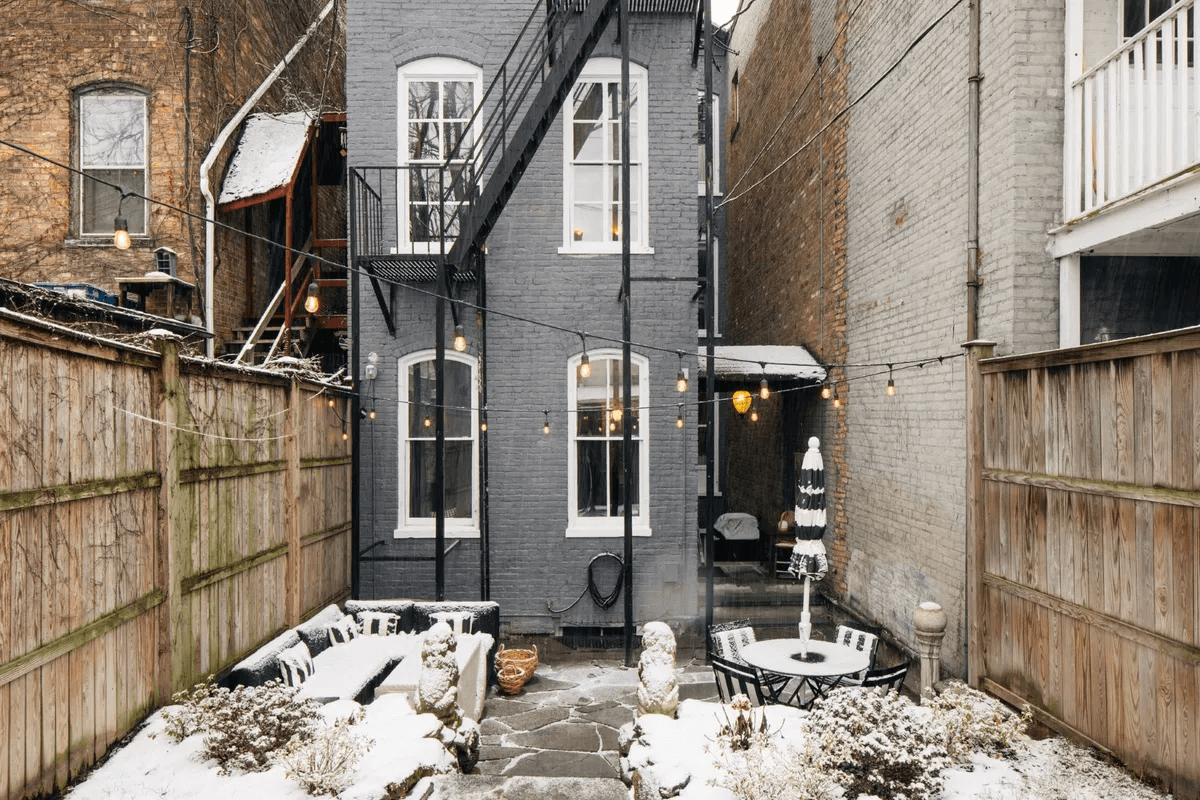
[596,488]
[437,99]
[418,445]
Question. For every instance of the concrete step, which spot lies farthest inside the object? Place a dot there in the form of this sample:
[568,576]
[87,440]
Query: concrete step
[492,787]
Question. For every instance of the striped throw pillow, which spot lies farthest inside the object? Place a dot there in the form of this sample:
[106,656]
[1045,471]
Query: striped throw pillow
[295,664]
[378,622]
[342,631]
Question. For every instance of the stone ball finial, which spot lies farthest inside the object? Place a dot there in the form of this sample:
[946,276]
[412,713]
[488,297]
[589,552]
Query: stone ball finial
[929,618]
[813,442]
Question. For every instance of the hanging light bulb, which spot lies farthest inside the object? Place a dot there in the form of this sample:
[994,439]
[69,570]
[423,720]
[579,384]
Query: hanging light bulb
[585,366]
[825,391]
[837,401]
[754,415]
[371,414]
[121,233]
[460,338]
[679,418]
[681,381]
[313,301]
[741,401]
[483,426]
[332,402]
[428,421]
[764,391]
[890,391]
[546,423]
[617,413]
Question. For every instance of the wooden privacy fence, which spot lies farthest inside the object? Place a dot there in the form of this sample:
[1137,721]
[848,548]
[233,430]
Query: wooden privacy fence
[1083,537]
[160,517]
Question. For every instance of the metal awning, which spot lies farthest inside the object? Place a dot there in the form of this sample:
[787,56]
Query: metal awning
[747,361]
[266,160]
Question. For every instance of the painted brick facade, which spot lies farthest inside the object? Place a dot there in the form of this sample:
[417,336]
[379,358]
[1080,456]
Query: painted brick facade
[886,283]
[533,564]
[59,48]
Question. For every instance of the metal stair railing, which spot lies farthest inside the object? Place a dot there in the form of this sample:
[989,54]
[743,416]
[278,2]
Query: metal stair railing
[517,109]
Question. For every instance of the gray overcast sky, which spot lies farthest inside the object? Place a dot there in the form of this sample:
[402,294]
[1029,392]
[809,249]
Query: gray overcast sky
[723,10]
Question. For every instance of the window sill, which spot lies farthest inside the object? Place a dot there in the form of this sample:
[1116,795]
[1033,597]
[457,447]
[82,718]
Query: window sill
[106,242]
[604,529]
[636,250]
[427,532]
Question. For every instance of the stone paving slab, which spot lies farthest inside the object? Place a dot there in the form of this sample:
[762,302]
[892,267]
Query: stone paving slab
[571,736]
[557,763]
[537,718]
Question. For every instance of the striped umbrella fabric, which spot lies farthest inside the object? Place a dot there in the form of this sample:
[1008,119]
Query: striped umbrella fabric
[808,556]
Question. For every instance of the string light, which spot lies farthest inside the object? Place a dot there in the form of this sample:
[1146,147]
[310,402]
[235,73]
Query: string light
[483,426]
[741,401]
[681,381]
[891,384]
[754,415]
[825,391]
[837,401]
[764,391]
[313,301]
[585,364]
[679,419]
[371,414]
[121,233]
[332,402]
[460,338]
[428,421]
[546,423]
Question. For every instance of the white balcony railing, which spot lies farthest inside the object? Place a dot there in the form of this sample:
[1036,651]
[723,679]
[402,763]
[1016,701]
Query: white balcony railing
[1134,119]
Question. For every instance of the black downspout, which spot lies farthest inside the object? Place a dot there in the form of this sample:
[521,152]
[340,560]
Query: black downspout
[626,332]
[355,413]
[710,378]
[485,566]
[439,413]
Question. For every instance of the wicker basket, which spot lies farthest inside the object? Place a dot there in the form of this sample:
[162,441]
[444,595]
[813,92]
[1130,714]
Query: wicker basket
[527,660]
[512,678]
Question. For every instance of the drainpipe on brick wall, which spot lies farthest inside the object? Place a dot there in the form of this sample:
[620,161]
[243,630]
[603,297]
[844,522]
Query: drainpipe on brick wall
[210,206]
[973,79]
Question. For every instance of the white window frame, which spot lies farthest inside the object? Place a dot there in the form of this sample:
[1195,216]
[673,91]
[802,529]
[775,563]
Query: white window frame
[423,527]
[607,527]
[83,98]
[609,69]
[426,69]
[702,333]
[715,133]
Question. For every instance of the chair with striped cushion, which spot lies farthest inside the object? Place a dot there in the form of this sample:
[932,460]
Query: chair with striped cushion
[737,678]
[859,640]
[726,639]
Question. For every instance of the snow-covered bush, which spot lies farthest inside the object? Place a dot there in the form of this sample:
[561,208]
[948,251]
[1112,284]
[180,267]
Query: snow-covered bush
[872,744]
[755,765]
[325,764]
[243,728]
[970,721]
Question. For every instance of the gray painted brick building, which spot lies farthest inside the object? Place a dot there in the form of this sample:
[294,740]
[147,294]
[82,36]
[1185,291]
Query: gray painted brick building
[553,501]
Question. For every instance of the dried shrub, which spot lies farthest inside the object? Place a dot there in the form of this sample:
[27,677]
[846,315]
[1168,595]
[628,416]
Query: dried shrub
[244,728]
[970,721]
[325,764]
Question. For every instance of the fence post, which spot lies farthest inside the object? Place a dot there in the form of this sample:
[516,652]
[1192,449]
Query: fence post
[169,550]
[291,502]
[974,414]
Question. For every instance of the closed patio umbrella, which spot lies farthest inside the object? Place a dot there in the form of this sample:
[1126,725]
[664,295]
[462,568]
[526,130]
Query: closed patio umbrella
[809,561]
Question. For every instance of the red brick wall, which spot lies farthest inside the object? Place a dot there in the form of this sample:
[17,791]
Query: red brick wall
[787,252]
[61,46]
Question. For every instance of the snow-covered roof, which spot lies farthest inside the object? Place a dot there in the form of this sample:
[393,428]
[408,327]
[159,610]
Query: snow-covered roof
[782,361]
[266,156]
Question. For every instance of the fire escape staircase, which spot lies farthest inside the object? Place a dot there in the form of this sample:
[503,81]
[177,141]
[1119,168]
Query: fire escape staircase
[516,112]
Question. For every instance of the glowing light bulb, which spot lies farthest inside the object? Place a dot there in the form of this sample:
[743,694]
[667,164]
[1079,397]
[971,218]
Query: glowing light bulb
[460,338]
[121,233]
[681,382]
[313,302]
[764,391]
[371,414]
[585,366]
[826,391]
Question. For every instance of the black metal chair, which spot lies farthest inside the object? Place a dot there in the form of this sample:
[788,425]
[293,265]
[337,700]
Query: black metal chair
[891,678]
[859,639]
[735,678]
[726,639]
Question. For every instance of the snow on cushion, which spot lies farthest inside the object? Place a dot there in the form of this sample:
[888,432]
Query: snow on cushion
[342,631]
[295,664]
[378,622]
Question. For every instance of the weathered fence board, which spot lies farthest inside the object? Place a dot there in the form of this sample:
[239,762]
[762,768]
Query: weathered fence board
[144,512]
[1084,510]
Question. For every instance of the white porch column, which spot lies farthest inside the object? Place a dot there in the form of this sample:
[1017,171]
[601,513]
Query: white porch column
[1068,300]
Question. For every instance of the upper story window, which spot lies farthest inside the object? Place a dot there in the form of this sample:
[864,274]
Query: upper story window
[702,273]
[595,475]
[1138,14]
[113,134]
[437,98]
[592,161]
[418,446]
[713,130]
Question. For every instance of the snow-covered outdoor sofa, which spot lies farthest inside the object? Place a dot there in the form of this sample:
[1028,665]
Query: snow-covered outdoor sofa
[345,654]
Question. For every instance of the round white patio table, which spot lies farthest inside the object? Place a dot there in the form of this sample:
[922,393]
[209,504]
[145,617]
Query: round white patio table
[824,668]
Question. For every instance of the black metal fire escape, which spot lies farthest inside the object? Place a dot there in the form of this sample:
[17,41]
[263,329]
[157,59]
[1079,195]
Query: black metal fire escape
[475,183]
